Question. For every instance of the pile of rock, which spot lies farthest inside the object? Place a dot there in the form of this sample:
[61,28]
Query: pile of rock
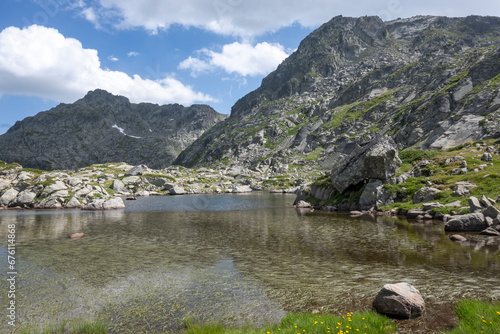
[54,191]
[484,218]
[101,187]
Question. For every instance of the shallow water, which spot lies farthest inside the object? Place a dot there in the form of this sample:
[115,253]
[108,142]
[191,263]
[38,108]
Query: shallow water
[234,258]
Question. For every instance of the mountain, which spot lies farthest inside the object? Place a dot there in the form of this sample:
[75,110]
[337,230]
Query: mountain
[427,82]
[101,128]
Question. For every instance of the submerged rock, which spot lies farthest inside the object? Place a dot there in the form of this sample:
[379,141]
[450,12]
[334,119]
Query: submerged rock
[400,300]
[458,238]
[490,231]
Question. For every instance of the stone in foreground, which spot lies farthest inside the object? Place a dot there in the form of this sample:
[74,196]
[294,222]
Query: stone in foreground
[400,300]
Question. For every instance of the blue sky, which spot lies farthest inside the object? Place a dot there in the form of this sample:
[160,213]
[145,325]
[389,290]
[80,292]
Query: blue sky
[166,51]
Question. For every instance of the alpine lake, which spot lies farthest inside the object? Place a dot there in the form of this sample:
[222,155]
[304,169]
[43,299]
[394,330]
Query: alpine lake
[236,259]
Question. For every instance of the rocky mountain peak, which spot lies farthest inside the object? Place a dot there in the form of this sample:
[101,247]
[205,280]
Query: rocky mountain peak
[98,98]
[426,81]
[102,127]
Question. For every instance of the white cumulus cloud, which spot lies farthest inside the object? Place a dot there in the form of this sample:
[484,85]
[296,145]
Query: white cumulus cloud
[250,18]
[240,58]
[40,61]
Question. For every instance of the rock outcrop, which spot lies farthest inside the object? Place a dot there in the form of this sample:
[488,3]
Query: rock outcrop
[376,160]
[101,187]
[101,128]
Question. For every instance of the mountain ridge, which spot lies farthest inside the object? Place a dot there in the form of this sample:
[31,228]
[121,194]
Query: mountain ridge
[102,127]
[426,81]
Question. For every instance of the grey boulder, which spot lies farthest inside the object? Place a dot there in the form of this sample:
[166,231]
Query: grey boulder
[474,204]
[8,196]
[471,222]
[491,212]
[176,190]
[462,188]
[377,160]
[425,194]
[137,170]
[400,300]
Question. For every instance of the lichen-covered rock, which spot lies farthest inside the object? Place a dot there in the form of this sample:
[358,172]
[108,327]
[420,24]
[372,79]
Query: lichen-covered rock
[425,194]
[103,204]
[400,300]
[131,180]
[25,198]
[113,203]
[137,170]
[52,188]
[322,193]
[119,187]
[8,196]
[491,212]
[487,157]
[474,204]
[73,203]
[240,189]
[376,160]
[485,201]
[176,190]
[371,196]
[462,188]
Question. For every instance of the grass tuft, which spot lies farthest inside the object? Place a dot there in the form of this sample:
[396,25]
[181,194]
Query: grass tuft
[69,327]
[362,322]
[477,317]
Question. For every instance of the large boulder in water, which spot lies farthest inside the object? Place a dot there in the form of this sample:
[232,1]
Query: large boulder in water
[378,159]
[400,300]
[471,222]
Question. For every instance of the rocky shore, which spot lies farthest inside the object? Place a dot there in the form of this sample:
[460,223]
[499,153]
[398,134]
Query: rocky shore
[459,188]
[103,186]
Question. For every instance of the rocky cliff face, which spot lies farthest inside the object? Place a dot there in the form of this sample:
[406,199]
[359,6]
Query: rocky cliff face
[427,82]
[104,128]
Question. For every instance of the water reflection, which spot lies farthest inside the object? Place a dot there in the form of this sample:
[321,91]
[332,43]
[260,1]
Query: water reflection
[164,258]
